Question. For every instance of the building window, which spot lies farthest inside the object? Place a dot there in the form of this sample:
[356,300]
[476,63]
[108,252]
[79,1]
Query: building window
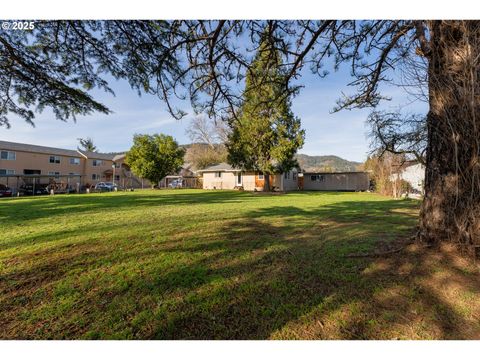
[319,178]
[7,172]
[54,159]
[8,155]
[218,174]
[75,161]
[95,177]
[260,177]
[117,165]
[287,175]
[54,173]
[97,162]
[117,177]
[294,175]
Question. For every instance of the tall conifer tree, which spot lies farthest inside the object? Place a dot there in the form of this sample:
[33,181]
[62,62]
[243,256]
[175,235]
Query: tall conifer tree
[266,135]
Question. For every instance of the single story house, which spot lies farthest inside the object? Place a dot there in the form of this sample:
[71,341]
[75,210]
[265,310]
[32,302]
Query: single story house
[224,176]
[336,181]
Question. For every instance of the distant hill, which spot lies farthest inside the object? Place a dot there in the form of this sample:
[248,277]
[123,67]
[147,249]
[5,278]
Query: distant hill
[312,163]
[326,163]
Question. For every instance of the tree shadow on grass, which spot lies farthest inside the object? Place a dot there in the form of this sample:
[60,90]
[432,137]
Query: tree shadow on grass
[28,209]
[280,272]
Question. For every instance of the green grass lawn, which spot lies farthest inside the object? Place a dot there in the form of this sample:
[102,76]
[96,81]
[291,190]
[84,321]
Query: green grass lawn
[176,264]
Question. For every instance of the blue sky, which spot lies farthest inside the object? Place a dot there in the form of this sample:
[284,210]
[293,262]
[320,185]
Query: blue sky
[342,134]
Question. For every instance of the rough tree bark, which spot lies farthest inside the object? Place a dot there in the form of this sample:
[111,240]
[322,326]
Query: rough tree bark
[266,183]
[451,208]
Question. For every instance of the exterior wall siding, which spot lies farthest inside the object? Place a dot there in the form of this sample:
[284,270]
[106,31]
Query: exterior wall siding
[226,181]
[290,182]
[336,181]
[250,181]
[36,161]
[100,170]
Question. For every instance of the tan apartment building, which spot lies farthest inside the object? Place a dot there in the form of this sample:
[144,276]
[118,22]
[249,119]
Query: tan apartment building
[71,167]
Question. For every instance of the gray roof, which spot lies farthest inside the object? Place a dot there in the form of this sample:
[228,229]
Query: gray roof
[333,172]
[7,145]
[119,157]
[219,167]
[100,156]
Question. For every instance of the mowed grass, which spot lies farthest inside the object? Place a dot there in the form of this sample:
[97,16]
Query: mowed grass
[193,264]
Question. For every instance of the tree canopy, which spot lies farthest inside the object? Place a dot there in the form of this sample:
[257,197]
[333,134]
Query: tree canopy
[266,135]
[154,156]
[57,64]
[87,144]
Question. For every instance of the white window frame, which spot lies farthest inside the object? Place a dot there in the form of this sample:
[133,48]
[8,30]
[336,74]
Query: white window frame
[261,177]
[318,178]
[56,159]
[55,174]
[294,175]
[237,175]
[11,155]
[218,174]
[7,172]
[74,161]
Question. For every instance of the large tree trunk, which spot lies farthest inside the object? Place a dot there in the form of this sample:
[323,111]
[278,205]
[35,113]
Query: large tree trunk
[451,208]
[266,183]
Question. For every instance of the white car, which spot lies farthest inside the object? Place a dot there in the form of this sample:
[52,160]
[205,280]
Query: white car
[176,184]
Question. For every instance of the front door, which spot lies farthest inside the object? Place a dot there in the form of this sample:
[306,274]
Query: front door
[239,179]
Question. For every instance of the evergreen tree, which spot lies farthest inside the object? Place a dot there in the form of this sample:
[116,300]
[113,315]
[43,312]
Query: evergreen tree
[87,144]
[154,156]
[266,135]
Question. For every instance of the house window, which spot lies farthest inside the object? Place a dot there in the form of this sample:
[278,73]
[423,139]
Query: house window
[218,174]
[97,162]
[117,165]
[95,177]
[7,172]
[54,173]
[8,155]
[319,178]
[260,177]
[117,177]
[287,175]
[294,176]
[54,159]
[75,161]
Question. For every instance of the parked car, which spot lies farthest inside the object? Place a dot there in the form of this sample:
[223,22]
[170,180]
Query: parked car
[5,191]
[176,184]
[27,190]
[106,186]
